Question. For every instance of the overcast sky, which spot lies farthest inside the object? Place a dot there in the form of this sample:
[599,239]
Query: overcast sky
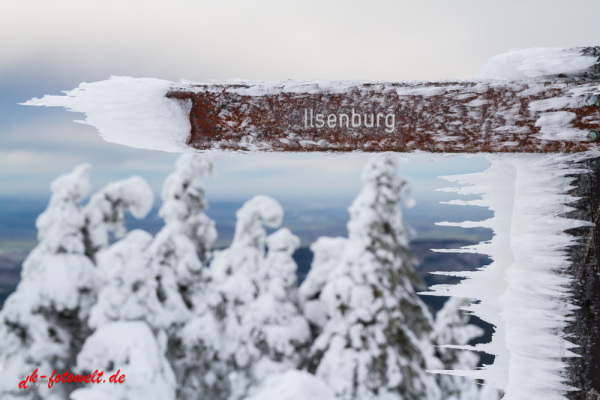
[46,47]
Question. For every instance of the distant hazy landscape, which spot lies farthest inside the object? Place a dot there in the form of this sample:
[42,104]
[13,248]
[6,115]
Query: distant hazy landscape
[308,220]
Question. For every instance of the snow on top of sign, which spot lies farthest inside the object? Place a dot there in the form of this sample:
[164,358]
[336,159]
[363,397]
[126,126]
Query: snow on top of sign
[538,63]
[557,126]
[264,88]
[129,111]
[525,291]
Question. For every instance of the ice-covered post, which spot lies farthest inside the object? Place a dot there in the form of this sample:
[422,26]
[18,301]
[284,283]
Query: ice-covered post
[550,109]
[526,101]
[456,117]
[585,267]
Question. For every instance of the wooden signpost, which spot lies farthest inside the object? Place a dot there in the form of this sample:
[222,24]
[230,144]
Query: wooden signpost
[585,268]
[558,112]
[561,114]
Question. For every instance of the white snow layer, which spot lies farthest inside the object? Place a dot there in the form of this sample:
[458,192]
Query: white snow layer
[129,348]
[538,63]
[128,111]
[524,292]
[294,385]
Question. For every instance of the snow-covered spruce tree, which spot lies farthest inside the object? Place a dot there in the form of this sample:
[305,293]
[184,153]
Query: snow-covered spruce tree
[44,322]
[169,267]
[156,280]
[121,268]
[181,248]
[452,328]
[41,323]
[179,254]
[251,326]
[128,287]
[183,208]
[274,322]
[374,339]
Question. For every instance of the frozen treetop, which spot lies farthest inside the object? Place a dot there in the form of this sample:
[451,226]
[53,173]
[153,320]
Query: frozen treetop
[254,213]
[59,227]
[527,100]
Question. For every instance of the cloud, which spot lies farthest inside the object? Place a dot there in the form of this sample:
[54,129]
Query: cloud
[38,149]
[26,162]
[68,139]
[292,163]
[277,40]
[30,172]
[271,40]
[57,130]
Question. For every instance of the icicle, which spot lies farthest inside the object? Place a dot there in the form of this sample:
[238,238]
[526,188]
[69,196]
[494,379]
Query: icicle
[524,292]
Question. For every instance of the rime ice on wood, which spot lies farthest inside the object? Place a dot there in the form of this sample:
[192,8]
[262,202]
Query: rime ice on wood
[547,112]
[133,112]
[524,292]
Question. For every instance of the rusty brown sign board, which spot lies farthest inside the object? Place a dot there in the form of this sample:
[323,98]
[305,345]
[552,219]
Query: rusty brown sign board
[553,116]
